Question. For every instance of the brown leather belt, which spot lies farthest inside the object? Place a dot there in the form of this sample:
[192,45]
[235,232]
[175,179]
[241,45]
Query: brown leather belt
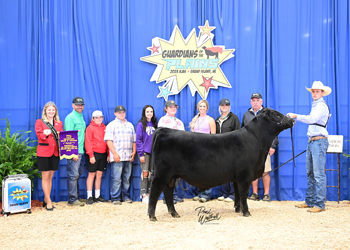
[315,138]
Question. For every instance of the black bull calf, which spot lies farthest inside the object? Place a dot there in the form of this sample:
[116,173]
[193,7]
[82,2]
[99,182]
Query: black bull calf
[206,161]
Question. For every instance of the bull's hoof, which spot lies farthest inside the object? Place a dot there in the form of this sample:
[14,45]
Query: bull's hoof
[238,210]
[175,214]
[246,214]
[153,219]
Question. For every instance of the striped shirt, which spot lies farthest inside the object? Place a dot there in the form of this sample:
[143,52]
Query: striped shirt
[123,136]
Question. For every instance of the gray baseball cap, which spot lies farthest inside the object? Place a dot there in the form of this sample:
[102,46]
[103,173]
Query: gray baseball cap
[170,103]
[256,95]
[119,108]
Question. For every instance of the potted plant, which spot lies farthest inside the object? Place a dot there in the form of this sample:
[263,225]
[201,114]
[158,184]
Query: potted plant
[17,155]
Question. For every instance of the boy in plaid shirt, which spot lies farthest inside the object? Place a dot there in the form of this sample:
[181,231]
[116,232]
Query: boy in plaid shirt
[121,141]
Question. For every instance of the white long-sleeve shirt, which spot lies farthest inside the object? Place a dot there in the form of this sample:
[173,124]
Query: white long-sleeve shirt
[319,115]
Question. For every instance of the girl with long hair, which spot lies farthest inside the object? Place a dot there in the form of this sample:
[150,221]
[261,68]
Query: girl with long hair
[144,135]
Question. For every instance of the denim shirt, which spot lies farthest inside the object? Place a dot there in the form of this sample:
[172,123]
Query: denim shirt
[319,114]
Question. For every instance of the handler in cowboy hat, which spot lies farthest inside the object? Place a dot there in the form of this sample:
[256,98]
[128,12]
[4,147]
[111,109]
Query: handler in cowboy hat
[317,148]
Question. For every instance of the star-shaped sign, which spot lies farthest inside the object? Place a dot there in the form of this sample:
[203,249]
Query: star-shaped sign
[192,61]
[207,84]
[164,92]
[206,29]
[154,49]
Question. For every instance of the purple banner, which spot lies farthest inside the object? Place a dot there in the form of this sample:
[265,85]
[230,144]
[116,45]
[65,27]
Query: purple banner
[69,147]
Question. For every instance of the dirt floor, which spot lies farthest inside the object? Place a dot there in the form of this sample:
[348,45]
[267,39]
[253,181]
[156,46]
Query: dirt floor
[273,225]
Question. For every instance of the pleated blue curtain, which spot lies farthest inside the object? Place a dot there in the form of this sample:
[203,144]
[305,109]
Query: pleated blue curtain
[56,50]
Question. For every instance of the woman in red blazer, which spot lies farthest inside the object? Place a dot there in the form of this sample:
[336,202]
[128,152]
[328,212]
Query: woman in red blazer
[47,130]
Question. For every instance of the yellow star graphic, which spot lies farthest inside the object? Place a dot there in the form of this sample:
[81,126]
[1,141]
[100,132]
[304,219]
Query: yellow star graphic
[206,28]
[188,61]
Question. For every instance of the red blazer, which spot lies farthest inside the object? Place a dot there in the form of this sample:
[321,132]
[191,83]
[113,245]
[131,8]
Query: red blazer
[46,144]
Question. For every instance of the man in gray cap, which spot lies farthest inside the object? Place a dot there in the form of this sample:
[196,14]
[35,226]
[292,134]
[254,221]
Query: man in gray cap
[121,141]
[75,166]
[170,121]
[256,101]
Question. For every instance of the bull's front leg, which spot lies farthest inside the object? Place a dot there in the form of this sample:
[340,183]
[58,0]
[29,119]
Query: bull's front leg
[156,189]
[243,189]
[169,199]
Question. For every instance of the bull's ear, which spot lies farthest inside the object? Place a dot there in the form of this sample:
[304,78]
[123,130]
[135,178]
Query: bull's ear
[267,114]
[266,117]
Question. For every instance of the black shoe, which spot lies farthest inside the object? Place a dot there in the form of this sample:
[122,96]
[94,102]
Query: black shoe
[266,197]
[90,201]
[49,209]
[100,199]
[44,204]
[254,197]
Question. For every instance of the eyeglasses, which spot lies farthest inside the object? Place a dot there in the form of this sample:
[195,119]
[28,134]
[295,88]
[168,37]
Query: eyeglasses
[227,105]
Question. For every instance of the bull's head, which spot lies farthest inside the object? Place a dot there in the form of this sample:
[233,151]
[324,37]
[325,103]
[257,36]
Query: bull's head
[276,117]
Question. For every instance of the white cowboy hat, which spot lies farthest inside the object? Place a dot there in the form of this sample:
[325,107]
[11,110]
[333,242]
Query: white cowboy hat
[319,85]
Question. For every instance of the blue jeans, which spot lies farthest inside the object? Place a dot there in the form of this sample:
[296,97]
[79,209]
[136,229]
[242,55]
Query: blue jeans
[74,170]
[120,180]
[316,177]
[228,191]
[205,194]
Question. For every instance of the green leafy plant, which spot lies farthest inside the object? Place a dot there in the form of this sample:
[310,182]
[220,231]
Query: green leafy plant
[17,156]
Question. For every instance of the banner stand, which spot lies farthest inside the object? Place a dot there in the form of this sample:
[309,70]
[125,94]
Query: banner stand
[335,147]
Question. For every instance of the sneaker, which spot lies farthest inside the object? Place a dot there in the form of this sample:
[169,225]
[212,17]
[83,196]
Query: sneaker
[82,200]
[100,199]
[117,202]
[145,199]
[195,198]
[90,201]
[302,205]
[128,200]
[203,200]
[221,198]
[178,199]
[77,203]
[254,197]
[228,199]
[266,197]
[315,210]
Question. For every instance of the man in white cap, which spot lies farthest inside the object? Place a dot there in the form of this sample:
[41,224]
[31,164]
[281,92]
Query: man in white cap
[317,148]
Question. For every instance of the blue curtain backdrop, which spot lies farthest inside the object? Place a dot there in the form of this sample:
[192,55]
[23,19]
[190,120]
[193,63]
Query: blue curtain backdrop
[56,50]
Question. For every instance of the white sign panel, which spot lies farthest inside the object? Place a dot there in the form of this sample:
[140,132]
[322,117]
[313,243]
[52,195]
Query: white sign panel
[335,144]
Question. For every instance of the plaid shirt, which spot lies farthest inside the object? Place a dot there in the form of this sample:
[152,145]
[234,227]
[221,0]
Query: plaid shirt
[123,136]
